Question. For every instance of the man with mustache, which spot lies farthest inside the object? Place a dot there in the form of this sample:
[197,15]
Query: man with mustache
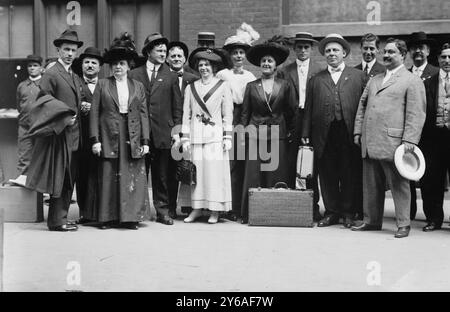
[435,142]
[419,49]
[91,62]
[370,44]
[391,112]
[177,55]
[299,73]
[165,111]
[331,103]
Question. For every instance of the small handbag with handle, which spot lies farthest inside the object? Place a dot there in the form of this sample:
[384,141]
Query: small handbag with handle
[186,172]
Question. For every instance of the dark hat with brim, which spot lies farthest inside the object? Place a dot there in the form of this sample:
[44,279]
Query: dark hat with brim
[34,59]
[420,38]
[180,45]
[215,56]
[68,36]
[334,38]
[277,51]
[304,36]
[92,52]
[153,40]
[118,54]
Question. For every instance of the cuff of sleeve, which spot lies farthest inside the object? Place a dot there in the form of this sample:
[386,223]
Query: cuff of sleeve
[185,137]
[94,140]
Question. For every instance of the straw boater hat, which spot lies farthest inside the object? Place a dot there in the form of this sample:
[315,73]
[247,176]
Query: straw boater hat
[245,36]
[206,36]
[411,166]
[68,36]
[212,55]
[419,38]
[92,52]
[334,38]
[153,40]
[122,48]
[304,36]
[180,45]
[278,51]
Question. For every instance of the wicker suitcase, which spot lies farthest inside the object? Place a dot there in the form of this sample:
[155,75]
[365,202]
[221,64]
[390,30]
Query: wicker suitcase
[280,207]
[21,204]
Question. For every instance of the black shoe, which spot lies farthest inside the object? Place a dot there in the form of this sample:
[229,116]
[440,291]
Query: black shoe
[230,216]
[348,222]
[366,227]
[431,226]
[82,220]
[317,216]
[63,228]
[131,225]
[173,214]
[329,220]
[402,231]
[244,220]
[164,219]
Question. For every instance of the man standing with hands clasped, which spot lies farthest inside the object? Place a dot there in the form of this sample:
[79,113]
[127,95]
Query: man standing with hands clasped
[391,112]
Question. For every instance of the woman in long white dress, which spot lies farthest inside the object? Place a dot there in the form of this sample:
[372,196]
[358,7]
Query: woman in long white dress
[206,136]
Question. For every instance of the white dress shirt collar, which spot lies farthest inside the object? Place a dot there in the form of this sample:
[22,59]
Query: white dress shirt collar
[421,68]
[370,64]
[66,67]
[341,67]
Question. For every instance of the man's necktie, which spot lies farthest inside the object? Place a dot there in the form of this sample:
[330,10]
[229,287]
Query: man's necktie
[154,73]
[366,69]
[335,70]
[447,85]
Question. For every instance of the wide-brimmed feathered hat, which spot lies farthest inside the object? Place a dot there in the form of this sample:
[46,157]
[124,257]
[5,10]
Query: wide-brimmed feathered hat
[122,48]
[218,57]
[244,38]
[275,47]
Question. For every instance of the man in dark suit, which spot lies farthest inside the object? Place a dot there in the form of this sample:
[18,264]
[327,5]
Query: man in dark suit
[370,44]
[91,61]
[299,73]
[435,142]
[419,46]
[331,102]
[177,55]
[60,82]
[165,111]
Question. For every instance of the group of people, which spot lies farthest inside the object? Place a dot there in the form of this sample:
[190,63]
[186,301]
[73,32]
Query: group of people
[107,135]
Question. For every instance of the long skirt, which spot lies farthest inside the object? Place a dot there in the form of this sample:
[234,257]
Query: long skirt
[123,191]
[264,167]
[213,188]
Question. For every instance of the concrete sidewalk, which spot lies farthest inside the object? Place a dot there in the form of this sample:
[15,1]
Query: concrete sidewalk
[226,256]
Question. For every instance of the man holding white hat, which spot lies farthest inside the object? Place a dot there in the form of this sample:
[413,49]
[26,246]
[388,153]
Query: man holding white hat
[331,104]
[391,112]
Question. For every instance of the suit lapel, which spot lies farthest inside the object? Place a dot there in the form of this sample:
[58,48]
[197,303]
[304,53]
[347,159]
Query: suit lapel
[275,91]
[145,80]
[158,80]
[131,90]
[112,88]
[65,75]
[391,80]
[260,90]
[294,76]
[344,77]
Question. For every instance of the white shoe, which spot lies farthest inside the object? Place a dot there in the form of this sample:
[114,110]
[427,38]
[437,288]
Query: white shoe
[195,213]
[20,180]
[214,217]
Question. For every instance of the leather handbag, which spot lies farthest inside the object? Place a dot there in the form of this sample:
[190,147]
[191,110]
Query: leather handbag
[186,172]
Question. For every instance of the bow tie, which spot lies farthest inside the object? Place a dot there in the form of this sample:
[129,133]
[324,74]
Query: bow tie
[91,81]
[180,74]
[335,70]
[236,72]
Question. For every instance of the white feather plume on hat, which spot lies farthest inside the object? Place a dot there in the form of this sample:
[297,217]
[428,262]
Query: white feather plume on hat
[245,35]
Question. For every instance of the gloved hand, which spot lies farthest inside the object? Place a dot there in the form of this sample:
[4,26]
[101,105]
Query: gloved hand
[72,121]
[176,141]
[144,149]
[186,146]
[226,144]
[97,148]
